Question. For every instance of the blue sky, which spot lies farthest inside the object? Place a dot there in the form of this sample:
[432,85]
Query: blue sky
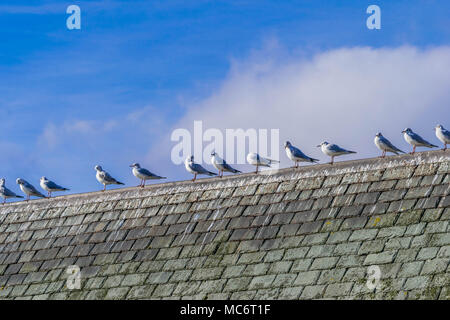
[112,92]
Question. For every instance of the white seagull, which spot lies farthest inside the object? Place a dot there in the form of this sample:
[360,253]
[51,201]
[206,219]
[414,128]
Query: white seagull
[415,140]
[50,186]
[5,192]
[221,164]
[104,178]
[28,189]
[258,161]
[443,135]
[296,155]
[385,145]
[143,174]
[333,150]
[195,168]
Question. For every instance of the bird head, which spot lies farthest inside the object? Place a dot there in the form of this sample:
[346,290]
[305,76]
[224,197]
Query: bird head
[287,144]
[439,127]
[323,144]
[19,181]
[135,165]
[407,130]
[190,159]
[213,153]
[2,182]
[98,168]
[378,134]
[43,178]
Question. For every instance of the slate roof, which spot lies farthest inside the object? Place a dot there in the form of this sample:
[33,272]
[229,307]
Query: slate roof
[302,233]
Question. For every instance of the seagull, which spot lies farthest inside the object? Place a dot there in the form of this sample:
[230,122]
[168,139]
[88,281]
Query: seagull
[296,155]
[28,189]
[333,150]
[143,174]
[5,192]
[415,140]
[195,168]
[221,164]
[443,135]
[385,145]
[50,186]
[258,161]
[104,178]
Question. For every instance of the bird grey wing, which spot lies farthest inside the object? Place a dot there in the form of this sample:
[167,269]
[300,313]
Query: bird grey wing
[419,139]
[32,188]
[446,133]
[198,168]
[390,145]
[298,153]
[52,185]
[146,172]
[9,193]
[108,178]
[336,148]
[229,168]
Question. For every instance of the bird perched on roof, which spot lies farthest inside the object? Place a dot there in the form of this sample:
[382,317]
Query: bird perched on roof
[221,164]
[50,186]
[5,193]
[385,145]
[28,189]
[443,135]
[143,174]
[195,168]
[258,161]
[104,178]
[296,155]
[333,150]
[415,140]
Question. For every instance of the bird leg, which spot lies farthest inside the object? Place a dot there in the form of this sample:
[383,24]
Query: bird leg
[143,185]
[414,150]
[220,174]
[445,147]
[104,187]
[296,164]
[256,172]
[332,160]
[195,176]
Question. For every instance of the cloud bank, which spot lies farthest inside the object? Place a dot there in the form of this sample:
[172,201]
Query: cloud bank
[344,96]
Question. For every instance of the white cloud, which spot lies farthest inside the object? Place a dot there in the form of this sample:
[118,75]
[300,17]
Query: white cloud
[343,96]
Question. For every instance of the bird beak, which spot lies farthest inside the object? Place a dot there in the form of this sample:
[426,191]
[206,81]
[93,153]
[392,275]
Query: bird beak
[318,146]
[131,166]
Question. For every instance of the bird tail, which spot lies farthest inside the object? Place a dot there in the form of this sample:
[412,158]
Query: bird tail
[351,151]
[211,173]
[162,177]
[432,146]
[273,161]
[313,160]
[236,171]
[65,189]
[18,196]
[118,182]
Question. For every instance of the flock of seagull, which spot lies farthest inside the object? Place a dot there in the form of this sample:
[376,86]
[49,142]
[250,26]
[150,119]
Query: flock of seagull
[222,166]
